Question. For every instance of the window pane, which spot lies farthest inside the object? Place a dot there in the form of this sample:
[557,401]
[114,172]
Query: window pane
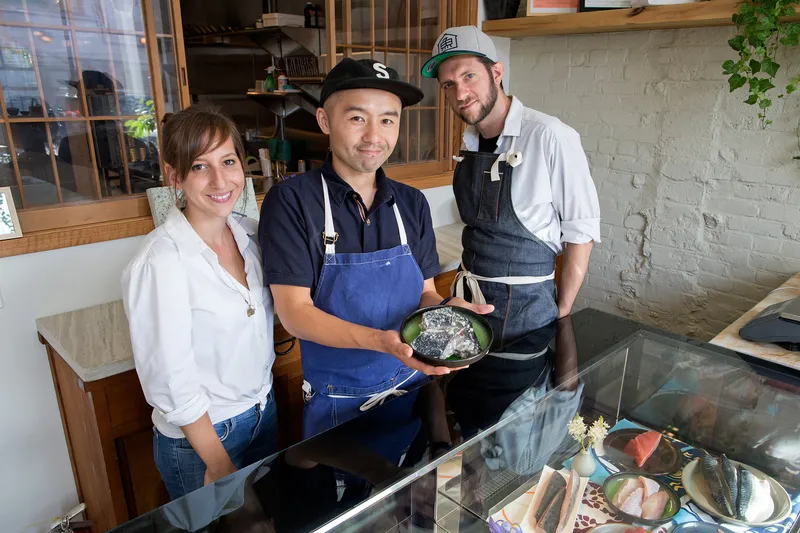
[401,148]
[430,23]
[143,165]
[429,86]
[416,25]
[413,134]
[47,12]
[124,14]
[17,74]
[397,61]
[87,13]
[125,80]
[74,162]
[58,73]
[169,75]
[427,135]
[12,11]
[380,22]
[7,178]
[162,16]
[35,166]
[361,21]
[111,139]
[397,23]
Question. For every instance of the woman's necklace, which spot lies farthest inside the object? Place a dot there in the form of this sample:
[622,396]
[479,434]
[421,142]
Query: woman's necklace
[251,309]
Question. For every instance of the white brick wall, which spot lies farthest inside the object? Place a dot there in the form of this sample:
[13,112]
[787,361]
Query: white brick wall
[700,207]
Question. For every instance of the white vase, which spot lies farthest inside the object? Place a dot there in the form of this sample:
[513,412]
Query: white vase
[599,450]
[583,463]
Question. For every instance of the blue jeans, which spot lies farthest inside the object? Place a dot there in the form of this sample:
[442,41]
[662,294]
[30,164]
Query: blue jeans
[248,438]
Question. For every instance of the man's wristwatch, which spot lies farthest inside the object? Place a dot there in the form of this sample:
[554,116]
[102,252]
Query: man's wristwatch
[444,302]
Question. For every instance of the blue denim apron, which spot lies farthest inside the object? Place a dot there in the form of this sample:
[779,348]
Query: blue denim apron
[503,263]
[377,290]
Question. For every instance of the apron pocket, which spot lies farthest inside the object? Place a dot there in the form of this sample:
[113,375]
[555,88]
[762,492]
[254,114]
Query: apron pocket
[489,206]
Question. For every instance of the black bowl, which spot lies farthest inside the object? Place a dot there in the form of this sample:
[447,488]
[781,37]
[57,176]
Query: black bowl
[483,331]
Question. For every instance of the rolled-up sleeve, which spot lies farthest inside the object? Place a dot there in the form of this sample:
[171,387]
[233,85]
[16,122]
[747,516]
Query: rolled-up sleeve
[574,192]
[156,301]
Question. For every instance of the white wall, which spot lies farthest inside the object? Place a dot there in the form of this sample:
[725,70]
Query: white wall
[503,45]
[37,481]
[36,476]
[700,207]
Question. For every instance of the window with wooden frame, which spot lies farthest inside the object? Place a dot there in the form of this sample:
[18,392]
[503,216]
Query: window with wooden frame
[83,85]
[401,34]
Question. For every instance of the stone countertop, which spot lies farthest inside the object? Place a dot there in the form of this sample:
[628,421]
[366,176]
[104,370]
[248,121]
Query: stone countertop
[729,337]
[95,342]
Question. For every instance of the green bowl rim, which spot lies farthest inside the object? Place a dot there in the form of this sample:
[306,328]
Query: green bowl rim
[648,522]
[443,362]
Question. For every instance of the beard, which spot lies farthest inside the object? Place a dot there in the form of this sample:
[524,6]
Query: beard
[485,108]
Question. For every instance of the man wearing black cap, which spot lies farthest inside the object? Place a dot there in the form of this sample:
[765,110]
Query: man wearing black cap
[348,253]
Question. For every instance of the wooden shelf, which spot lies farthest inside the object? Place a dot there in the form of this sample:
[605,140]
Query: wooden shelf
[695,15]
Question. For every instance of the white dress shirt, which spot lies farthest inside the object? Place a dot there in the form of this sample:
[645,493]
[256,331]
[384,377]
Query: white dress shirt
[194,346]
[551,189]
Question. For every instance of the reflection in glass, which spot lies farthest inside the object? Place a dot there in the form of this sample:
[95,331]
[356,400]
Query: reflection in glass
[122,79]
[430,23]
[427,135]
[380,22]
[169,74]
[361,22]
[123,14]
[429,86]
[7,178]
[397,61]
[17,74]
[119,149]
[401,148]
[12,11]
[414,18]
[162,16]
[413,125]
[58,72]
[47,12]
[87,14]
[35,166]
[74,162]
[397,23]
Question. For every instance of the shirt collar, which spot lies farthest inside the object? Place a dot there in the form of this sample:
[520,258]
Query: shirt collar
[189,242]
[340,189]
[511,127]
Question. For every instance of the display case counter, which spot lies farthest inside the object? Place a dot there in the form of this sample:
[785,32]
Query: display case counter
[674,404]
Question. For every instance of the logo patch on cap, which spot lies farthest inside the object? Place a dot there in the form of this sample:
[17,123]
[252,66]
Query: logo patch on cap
[448,42]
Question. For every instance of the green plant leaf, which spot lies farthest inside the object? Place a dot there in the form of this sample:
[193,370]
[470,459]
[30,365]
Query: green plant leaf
[730,67]
[752,100]
[770,67]
[737,43]
[765,103]
[765,85]
[736,81]
[755,66]
[791,40]
[791,88]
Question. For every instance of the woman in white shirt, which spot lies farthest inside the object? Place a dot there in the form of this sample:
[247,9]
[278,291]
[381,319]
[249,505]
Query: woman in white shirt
[200,317]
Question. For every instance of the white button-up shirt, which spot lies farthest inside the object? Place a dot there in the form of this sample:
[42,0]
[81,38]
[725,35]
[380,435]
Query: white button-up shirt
[551,189]
[194,346]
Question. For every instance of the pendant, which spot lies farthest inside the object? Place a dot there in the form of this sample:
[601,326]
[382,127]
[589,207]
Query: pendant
[251,311]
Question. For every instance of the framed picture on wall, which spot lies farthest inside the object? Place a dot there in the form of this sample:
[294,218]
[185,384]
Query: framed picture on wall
[9,223]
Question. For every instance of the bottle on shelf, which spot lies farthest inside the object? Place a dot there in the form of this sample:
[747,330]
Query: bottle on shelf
[308,14]
[319,16]
[270,83]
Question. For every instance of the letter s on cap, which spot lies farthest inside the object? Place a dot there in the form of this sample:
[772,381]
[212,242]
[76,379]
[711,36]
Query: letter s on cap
[380,68]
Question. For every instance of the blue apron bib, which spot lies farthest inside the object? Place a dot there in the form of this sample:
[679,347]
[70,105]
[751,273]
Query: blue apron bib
[503,263]
[377,290]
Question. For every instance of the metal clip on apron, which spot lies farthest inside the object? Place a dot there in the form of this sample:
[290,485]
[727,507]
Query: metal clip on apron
[500,248]
[376,290]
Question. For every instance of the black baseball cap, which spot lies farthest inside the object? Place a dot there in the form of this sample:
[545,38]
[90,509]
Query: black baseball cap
[368,74]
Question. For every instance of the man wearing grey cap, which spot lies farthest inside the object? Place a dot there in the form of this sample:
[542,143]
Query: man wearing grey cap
[523,189]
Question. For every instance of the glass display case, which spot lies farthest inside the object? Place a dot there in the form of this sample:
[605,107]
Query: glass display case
[494,448]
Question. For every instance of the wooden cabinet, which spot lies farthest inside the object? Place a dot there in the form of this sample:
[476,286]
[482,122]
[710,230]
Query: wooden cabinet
[109,435]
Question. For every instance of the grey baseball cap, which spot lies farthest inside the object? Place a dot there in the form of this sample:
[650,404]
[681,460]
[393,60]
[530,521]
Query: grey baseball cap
[462,40]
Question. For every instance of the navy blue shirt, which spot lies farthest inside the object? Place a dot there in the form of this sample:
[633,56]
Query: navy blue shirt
[293,219]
